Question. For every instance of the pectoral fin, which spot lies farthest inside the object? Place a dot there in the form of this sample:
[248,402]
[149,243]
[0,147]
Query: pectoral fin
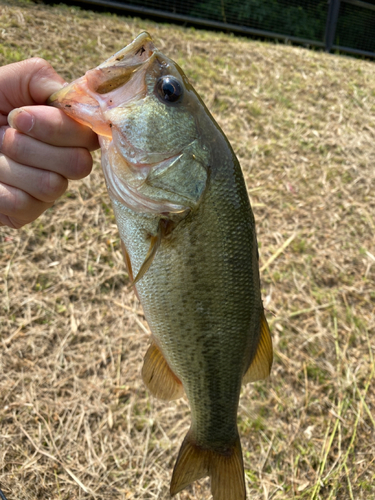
[154,245]
[158,377]
[128,266]
[260,366]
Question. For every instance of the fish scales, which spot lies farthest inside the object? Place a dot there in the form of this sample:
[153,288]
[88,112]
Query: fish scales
[199,314]
[189,242]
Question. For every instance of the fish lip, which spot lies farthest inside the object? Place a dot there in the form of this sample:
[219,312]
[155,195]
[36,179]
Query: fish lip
[120,67]
[89,95]
[142,41]
[64,98]
[61,92]
[119,60]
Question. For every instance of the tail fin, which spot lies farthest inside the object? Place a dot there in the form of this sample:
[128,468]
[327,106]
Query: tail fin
[225,469]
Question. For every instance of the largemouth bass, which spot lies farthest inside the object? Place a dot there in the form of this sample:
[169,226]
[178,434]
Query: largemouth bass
[189,244]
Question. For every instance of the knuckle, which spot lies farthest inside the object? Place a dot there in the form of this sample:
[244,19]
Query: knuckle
[16,201]
[16,223]
[11,222]
[39,65]
[81,163]
[13,201]
[14,145]
[20,204]
[52,185]
[18,208]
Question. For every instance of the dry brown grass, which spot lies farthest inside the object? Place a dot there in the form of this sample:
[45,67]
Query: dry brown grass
[76,420]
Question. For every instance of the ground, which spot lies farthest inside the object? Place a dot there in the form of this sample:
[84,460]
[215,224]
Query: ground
[76,419]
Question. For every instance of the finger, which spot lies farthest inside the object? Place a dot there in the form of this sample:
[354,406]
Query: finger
[42,185]
[27,82]
[52,126]
[18,208]
[72,163]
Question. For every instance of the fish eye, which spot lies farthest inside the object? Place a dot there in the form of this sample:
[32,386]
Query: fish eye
[169,89]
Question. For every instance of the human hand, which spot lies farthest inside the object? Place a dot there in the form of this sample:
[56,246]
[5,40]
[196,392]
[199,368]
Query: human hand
[42,148]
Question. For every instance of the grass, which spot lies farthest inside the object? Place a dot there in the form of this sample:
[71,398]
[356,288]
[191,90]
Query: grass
[76,421]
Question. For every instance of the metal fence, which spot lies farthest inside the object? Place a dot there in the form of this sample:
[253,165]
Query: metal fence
[338,25]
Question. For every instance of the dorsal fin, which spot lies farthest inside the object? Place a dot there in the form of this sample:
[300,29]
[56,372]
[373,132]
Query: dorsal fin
[260,366]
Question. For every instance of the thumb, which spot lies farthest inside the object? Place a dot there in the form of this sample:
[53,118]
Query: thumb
[26,83]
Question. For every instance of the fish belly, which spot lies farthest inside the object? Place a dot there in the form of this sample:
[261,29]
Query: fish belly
[201,299]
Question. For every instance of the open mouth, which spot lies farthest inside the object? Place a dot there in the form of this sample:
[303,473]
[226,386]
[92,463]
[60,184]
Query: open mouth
[115,82]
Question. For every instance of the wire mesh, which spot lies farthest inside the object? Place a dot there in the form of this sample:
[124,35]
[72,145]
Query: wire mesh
[302,21]
[356,27]
[299,18]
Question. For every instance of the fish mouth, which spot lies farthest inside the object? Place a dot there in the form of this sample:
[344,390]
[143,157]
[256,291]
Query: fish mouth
[118,80]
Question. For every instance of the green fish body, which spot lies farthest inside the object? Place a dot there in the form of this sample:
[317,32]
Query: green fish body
[189,242]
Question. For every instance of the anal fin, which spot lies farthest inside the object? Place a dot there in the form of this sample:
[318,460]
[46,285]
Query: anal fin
[260,366]
[225,469]
[158,377]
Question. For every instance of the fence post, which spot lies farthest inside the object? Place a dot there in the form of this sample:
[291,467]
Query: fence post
[333,14]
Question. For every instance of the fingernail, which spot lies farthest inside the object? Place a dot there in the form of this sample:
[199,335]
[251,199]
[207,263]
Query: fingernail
[21,120]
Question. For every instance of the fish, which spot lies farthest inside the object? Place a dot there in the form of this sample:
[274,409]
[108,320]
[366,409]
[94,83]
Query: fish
[188,237]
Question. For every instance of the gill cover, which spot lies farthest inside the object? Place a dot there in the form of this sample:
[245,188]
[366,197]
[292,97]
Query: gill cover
[139,103]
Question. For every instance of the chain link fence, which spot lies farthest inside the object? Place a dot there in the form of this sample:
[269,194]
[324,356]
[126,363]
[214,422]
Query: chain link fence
[344,25]
[356,26]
